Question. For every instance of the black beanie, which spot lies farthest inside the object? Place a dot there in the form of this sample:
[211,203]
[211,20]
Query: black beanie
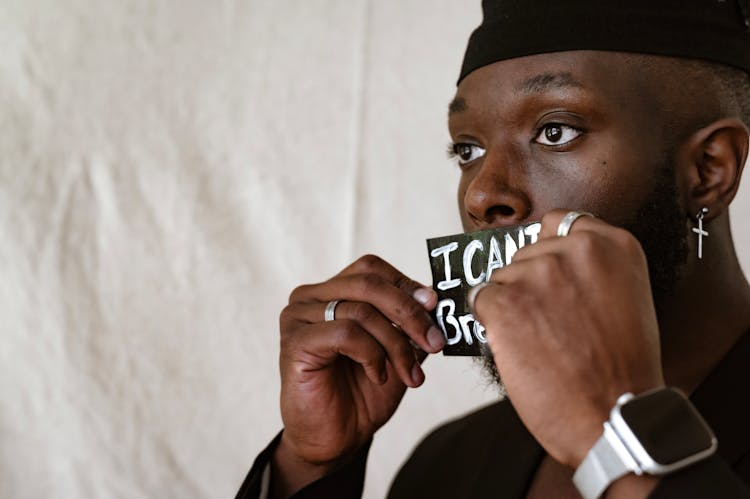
[712,30]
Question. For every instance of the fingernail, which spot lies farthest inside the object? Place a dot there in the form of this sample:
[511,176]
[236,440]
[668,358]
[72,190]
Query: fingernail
[417,375]
[435,338]
[424,295]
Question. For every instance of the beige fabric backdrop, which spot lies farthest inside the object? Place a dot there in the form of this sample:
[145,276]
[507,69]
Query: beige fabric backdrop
[169,171]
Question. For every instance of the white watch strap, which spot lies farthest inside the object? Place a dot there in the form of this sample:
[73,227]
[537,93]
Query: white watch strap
[607,461]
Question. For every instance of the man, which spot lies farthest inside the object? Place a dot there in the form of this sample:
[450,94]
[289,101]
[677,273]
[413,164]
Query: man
[637,113]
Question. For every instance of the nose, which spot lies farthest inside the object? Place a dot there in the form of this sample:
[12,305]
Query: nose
[496,195]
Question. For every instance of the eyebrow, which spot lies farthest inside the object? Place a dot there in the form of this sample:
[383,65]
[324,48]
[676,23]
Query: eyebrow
[536,84]
[457,105]
[548,81]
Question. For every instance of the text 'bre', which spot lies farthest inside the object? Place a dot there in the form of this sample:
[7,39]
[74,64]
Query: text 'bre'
[462,261]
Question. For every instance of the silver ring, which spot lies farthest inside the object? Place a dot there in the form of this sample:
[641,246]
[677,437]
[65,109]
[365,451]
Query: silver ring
[330,313]
[567,222]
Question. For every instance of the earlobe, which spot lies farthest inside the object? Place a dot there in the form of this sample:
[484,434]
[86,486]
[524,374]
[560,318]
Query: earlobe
[715,156]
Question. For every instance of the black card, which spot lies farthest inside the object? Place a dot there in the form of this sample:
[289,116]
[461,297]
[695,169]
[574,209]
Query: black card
[460,262]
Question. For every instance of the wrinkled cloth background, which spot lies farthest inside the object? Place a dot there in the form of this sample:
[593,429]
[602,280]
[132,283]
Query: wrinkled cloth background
[169,171]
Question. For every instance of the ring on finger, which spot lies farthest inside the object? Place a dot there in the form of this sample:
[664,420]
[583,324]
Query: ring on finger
[567,222]
[330,313]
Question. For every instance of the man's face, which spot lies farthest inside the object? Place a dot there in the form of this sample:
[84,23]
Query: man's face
[574,130]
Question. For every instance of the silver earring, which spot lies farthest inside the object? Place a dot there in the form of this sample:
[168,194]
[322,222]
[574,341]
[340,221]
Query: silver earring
[699,230]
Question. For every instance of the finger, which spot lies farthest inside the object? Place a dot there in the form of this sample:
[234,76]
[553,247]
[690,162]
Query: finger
[573,242]
[318,346]
[495,304]
[513,284]
[395,304]
[371,264]
[393,340]
[588,244]
[528,269]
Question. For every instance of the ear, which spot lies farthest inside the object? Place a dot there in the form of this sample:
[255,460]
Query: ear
[713,159]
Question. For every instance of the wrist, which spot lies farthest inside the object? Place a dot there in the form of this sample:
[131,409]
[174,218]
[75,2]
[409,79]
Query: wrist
[290,472]
[343,477]
[632,486]
[655,433]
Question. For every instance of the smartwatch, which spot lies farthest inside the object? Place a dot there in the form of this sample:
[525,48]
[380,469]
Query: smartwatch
[657,432]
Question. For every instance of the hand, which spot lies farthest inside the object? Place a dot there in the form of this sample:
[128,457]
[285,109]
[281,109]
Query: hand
[571,325]
[341,380]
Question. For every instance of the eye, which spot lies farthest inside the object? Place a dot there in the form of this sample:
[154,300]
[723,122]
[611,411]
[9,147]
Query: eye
[556,134]
[465,153]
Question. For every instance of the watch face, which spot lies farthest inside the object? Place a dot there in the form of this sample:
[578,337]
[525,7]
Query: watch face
[667,426]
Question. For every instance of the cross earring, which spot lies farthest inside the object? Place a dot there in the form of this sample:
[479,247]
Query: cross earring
[699,230]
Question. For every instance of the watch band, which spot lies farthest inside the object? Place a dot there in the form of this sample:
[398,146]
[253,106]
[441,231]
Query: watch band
[607,461]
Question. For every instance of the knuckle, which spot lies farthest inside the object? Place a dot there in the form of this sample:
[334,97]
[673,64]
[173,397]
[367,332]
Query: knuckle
[627,241]
[550,268]
[286,316]
[368,263]
[505,299]
[586,243]
[369,283]
[414,309]
[362,312]
[521,253]
[298,292]
[517,299]
[345,333]
[406,284]
[289,321]
[411,311]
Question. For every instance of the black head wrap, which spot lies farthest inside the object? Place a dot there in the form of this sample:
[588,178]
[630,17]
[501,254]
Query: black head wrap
[713,30]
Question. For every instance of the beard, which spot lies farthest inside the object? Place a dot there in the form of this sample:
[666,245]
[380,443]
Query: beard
[659,226]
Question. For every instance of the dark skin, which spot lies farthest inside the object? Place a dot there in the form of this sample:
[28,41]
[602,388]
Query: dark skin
[544,134]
